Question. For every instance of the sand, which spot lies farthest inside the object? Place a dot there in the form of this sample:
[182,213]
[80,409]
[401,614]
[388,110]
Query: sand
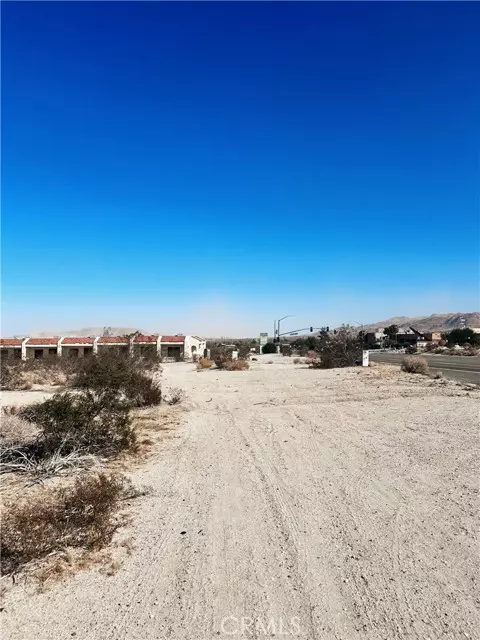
[292,502]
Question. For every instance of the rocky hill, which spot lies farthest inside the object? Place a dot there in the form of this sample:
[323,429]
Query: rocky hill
[435,322]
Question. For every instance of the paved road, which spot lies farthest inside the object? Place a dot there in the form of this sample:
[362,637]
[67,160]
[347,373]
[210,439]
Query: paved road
[461,368]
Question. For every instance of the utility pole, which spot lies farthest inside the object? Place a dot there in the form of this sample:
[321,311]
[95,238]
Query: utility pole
[278,326]
[364,353]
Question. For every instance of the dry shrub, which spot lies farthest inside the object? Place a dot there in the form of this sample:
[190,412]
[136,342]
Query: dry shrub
[235,365]
[82,515]
[221,360]
[88,421]
[269,361]
[175,395]
[24,374]
[19,460]
[9,410]
[414,364]
[204,363]
[115,371]
[10,376]
[297,361]
[15,431]
[143,391]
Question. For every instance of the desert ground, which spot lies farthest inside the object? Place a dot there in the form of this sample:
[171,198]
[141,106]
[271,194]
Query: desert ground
[334,504]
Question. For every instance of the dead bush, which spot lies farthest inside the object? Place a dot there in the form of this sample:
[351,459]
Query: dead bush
[175,395]
[26,460]
[82,515]
[235,365]
[414,364]
[297,361]
[15,431]
[9,410]
[88,421]
[204,363]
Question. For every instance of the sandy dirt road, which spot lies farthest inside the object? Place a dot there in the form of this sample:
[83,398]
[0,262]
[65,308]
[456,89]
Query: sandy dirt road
[292,503]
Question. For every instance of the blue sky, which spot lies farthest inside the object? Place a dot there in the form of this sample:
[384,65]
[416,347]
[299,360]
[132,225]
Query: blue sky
[208,167]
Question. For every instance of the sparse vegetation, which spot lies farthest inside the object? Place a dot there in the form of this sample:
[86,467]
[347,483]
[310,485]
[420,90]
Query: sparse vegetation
[82,515]
[23,374]
[297,361]
[415,364]
[223,360]
[66,434]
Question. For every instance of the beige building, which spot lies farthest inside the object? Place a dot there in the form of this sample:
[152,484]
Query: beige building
[174,348]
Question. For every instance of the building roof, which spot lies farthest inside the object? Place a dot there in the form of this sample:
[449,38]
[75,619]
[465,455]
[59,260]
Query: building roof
[87,340]
[42,341]
[114,340]
[80,340]
[10,342]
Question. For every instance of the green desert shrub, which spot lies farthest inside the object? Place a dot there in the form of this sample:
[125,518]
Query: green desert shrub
[340,349]
[269,347]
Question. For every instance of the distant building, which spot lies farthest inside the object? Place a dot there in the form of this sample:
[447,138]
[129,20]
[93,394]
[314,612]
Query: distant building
[173,348]
[374,337]
[433,336]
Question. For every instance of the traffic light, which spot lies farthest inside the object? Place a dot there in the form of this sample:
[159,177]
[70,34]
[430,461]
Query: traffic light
[328,329]
[311,329]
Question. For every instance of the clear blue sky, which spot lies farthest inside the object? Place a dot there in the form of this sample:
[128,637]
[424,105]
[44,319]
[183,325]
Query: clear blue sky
[208,167]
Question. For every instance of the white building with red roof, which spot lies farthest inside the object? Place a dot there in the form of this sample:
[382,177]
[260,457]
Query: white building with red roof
[169,348]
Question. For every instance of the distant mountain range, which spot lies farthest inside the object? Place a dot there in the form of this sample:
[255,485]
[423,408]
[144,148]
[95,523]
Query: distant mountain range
[435,322]
[88,331]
